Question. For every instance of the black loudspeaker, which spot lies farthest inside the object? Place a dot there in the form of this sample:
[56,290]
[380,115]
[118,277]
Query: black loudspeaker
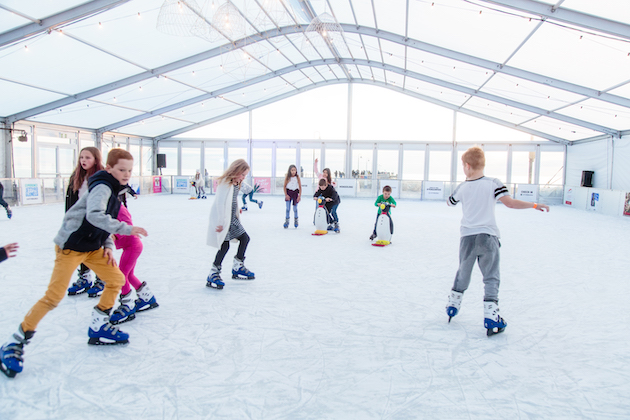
[587,179]
[161,160]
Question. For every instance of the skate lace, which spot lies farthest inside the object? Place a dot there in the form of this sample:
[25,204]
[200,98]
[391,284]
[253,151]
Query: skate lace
[111,327]
[16,349]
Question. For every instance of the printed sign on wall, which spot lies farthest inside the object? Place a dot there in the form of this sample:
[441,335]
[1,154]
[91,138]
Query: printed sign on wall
[626,206]
[31,191]
[265,185]
[568,197]
[134,184]
[527,192]
[433,190]
[307,187]
[346,187]
[594,204]
[181,185]
[157,184]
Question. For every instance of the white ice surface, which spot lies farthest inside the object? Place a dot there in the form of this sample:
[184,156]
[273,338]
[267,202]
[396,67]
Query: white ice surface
[332,328]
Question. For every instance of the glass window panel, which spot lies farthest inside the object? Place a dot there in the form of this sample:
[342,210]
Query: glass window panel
[439,166]
[46,161]
[496,165]
[67,162]
[22,158]
[171,160]
[387,163]
[214,161]
[362,163]
[307,161]
[551,165]
[191,160]
[413,165]
[147,160]
[336,162]
[284,158]
[523,167]
[236,153]
[261,165]
[461,176]
[134,149]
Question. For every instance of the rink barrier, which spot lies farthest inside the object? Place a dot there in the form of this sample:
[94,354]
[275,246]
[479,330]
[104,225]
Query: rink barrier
[23,191]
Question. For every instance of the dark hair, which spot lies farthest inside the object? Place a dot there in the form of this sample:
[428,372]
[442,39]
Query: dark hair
[387,188]
[287,177]
[323,181]
[79,174]
[328,178]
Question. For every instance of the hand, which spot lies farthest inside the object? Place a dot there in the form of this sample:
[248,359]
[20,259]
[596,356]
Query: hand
[328,199]
[219,229]
[135,197]
[11,249]
[110,256]
[298,199]
[542,207]
[286,197]
[137,231]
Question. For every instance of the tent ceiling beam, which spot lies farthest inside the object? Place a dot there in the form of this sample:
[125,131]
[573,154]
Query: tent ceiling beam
[366,82]
[551,12]
[60,19]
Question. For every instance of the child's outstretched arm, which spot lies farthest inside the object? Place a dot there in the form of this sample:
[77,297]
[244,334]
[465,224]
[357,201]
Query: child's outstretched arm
[519,204]
[8,251]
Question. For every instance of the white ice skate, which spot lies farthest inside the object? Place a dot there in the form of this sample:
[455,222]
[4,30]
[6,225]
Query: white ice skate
[492,319]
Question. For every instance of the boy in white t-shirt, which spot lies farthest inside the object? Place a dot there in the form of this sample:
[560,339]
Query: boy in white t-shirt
[480,236]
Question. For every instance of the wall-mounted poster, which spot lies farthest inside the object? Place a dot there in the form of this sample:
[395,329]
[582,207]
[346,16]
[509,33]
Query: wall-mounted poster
[157,184]
[31,191]
[568,197]
[626,205]
[433,190]
[264,183]
[594,203]
[182,185]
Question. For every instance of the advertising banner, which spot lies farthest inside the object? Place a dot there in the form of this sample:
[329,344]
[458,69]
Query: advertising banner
[433,190]
[181,185]
[307,187]
[31,191]
[134,184]
[594,203]
[157,184]
[265,185]
[568,197]
[346,187]
[626,205]
[527,192]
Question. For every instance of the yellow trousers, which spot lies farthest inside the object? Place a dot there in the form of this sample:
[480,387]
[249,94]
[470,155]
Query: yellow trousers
[66,262]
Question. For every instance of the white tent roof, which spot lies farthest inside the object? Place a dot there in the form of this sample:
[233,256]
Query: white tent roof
[559,71]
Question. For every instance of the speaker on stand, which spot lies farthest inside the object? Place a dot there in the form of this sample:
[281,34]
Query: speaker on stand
[587,179]
[161,162]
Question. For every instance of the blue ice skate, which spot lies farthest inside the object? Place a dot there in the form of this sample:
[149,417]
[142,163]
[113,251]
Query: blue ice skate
[81,285]
[125,312]
[295,222]
[454,302]
[336,227]
[97,289]
[145,300]
[240,272]
[102,332]
[9,212]
[492,321]
[12,353]
[214,279]
[260,203]
[286,223]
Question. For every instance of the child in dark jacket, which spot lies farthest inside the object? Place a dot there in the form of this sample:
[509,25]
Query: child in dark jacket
[332,202]
[84,237]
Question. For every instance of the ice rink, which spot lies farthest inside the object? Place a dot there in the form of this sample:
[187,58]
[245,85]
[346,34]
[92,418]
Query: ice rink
[332,328]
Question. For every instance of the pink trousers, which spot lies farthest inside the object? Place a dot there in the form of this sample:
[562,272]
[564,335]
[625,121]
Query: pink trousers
[132,248]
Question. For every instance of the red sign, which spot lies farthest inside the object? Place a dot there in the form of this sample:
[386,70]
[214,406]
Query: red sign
[157,184]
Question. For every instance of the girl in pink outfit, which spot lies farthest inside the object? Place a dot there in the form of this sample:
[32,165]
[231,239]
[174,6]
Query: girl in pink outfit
[132,248]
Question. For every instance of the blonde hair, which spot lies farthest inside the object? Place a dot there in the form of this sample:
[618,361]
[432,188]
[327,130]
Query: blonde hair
[236,168]
[474,157]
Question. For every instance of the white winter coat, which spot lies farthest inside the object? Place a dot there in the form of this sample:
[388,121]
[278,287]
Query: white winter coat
[221,214]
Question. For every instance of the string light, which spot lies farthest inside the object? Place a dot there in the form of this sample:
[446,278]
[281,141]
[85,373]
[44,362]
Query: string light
[100,25]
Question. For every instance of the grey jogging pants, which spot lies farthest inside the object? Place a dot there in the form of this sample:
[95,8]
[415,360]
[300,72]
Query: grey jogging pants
[484,249]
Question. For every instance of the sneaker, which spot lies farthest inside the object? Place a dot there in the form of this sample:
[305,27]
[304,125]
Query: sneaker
[12,352]
[81,285]
[97,289]
[102,332]
[454,302]
[126,311]
[145,300]
[240,272]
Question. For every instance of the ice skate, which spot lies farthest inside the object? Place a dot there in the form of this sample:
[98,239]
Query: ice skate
[126,311]
[492,321]
[239,272]
[286,223]
[244,208]
[145,300]
[214,279]
[454,302]
[336,227]
[97,289]
[260,203]
[12,352]
[372,236]
[102,332]
[295,222]
[81,285]
[9,212]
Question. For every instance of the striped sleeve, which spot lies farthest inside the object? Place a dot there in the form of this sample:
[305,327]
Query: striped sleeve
[453,199]
[500,190]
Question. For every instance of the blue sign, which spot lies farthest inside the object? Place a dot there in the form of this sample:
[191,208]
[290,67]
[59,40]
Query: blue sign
[31,190]
[181,183]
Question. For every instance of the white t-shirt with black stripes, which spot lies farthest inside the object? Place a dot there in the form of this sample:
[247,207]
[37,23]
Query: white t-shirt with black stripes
[478,198]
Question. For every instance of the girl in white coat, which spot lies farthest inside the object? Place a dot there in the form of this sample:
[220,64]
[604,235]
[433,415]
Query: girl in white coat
[225,225]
